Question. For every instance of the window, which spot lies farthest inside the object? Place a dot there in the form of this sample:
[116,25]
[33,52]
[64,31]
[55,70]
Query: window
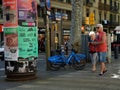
[87,12]
[119,19]
[68,1]
[60,0]
[100,19]
[105,2]
[111,18]
[105,16]
[69,14]
[94,14]
[1,12]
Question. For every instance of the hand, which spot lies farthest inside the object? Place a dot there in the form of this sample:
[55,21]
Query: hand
[94,43]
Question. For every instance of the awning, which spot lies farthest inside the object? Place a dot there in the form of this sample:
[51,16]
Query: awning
[117,28]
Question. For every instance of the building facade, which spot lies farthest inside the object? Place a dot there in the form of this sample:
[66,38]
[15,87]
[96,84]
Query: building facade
[106,12]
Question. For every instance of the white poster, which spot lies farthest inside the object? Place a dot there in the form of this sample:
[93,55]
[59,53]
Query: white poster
[11,44]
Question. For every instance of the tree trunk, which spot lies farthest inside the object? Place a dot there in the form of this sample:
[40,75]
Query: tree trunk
[76,23]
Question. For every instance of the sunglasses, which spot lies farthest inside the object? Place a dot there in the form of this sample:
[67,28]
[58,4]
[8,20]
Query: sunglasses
[97,27]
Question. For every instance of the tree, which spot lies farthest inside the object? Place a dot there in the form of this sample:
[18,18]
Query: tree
[76,23]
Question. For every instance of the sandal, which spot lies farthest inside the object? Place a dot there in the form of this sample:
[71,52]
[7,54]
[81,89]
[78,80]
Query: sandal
[100,74]
[104,71]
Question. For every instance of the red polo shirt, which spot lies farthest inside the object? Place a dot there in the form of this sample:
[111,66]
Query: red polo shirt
[102,47]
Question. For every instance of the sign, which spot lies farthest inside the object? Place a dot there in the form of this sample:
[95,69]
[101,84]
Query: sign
[10,13]
[58,16]
[27,42]
[28,24]
[11,44]
[48,5]
[64,16]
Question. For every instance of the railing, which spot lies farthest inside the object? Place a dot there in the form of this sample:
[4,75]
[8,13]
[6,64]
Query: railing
[89,4]
[113,23]
[114,9]
[102,6]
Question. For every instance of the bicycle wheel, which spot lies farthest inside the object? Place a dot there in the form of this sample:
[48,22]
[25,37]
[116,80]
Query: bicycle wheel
[54,67]
[79,65]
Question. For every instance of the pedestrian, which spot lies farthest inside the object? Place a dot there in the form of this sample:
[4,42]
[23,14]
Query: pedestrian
[101,48]
[66,47]
[93,50]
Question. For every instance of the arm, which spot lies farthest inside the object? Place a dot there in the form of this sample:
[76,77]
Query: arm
[102,41]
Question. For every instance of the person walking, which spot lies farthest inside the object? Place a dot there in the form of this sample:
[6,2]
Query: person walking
[101,48]
[93,50]
[66,47]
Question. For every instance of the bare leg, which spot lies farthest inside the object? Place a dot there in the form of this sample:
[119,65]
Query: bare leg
[103,67]
[94,67]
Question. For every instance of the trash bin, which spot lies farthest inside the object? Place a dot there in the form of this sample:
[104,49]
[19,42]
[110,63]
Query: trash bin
[116,52]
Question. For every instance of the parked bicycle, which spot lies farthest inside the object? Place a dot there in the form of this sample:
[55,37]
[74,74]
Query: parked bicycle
[77,61]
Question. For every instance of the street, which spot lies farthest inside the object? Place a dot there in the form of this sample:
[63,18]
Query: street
[68,79]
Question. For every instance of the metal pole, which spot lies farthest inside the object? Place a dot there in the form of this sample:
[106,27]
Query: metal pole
[61,41]
[47,41]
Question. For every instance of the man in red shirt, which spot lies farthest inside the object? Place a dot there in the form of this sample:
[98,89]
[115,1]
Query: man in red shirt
[101,47]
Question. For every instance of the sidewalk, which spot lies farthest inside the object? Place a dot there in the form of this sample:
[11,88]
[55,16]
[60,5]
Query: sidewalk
[69,79]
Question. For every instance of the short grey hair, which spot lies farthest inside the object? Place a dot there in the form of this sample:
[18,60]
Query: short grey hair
[99,25]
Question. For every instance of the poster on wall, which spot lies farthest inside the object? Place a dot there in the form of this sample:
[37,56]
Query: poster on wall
[1,28]
[10,13]
[11,44]
[20,66]
[27,43]
[27,11]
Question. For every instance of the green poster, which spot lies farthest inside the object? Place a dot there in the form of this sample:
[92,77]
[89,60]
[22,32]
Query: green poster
[28,42]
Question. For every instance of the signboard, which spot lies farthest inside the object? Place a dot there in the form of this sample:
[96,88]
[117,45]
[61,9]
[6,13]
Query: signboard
[48,5]
[10,13]
[11,44]
[58,16]
[27,42]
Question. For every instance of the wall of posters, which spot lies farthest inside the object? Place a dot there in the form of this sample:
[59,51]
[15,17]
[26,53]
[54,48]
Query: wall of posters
[10,13]
[11,44]
[27,43]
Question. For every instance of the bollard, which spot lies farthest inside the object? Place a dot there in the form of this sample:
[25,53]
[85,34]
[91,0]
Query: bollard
[116,52]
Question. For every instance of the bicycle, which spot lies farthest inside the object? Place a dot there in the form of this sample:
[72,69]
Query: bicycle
[77,61]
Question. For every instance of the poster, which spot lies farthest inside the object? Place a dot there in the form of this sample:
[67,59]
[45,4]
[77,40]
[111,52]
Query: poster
[10,13]
[27,43]
[27,10]
[11,44]
[20,66]
[1,28]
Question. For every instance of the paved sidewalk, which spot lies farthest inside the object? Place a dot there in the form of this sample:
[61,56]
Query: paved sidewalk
[69,79]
